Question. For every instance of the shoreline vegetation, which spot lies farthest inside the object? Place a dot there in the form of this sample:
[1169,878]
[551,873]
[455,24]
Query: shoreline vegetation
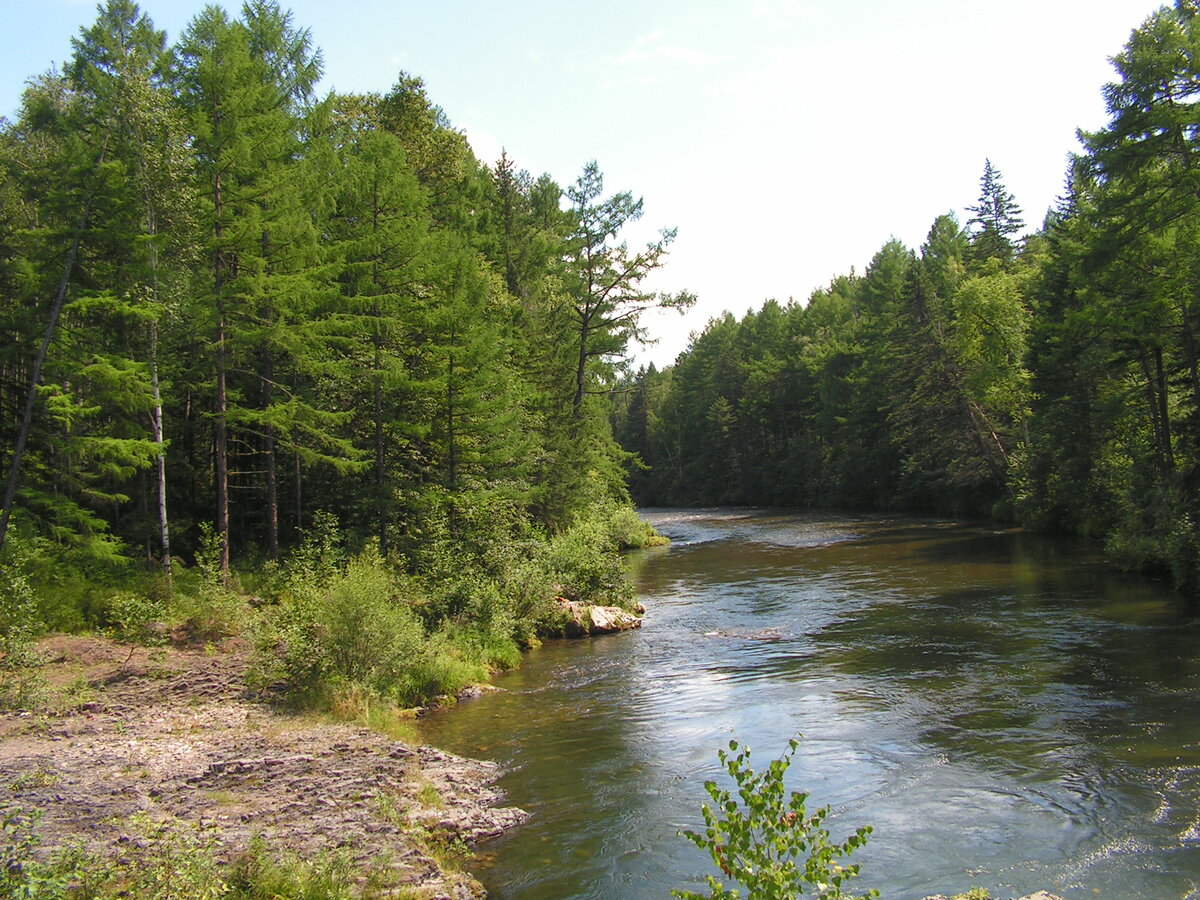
[226,742]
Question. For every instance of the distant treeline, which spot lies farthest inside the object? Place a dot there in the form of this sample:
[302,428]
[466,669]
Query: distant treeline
[1053,379]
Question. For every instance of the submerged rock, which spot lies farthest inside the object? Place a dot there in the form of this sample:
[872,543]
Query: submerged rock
[583,619]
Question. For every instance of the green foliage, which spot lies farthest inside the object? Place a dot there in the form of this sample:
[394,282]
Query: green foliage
[627,529]
[21,876]
[130,617]
[585,565]
[257,875]
[20,679]
[357,629]
[173,861]
[765,840]
[281,306]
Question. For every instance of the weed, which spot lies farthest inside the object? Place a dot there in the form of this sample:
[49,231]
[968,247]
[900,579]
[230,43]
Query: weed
[38,778]
[429,796]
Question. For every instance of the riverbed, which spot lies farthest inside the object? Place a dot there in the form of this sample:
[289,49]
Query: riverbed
[1006,711]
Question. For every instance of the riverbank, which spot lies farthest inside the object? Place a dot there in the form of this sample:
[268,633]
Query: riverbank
[140,740]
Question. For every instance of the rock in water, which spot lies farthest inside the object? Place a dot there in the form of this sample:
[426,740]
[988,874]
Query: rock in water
[582,619]
[607,619]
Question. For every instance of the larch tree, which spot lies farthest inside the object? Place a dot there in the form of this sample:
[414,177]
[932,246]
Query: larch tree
[120,63]
[604,283]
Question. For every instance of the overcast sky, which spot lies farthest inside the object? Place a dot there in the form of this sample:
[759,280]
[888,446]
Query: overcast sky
[786,139]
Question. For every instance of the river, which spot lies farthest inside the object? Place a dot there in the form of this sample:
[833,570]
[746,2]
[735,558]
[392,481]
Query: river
[1004,710]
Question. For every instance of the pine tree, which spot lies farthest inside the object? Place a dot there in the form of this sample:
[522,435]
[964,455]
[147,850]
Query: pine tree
[997,217]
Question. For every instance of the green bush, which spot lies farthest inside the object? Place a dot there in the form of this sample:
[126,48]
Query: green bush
[207,608]
[130,617]
[627,529]
[767,841]
[21,682]
[358,630]
[584,562]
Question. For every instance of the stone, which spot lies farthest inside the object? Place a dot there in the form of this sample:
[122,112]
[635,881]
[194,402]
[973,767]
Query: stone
[582,619]
[607,619]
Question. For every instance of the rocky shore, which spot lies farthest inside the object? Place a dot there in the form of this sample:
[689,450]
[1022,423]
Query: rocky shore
[173,734]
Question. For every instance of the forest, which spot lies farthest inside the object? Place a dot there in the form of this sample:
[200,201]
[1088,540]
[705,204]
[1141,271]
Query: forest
[249,336]
[1049,379]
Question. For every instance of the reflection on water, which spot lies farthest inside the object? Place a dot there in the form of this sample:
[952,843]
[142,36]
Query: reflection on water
[1006,712]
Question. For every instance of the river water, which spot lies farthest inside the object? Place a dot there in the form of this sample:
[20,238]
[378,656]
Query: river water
[1005,711]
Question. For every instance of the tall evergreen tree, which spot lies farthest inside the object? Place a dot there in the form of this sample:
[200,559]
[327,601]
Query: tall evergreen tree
[997,218]
[120,63]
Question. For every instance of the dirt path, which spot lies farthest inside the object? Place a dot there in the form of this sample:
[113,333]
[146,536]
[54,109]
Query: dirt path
[172,732]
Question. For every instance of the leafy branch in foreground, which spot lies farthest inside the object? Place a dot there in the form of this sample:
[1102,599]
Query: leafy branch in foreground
[768,842]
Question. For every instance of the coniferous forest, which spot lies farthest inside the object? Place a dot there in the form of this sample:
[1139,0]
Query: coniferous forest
[1051,379]
[236,313]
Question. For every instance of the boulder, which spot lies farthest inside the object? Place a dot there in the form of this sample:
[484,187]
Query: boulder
[582,619]
[607,619]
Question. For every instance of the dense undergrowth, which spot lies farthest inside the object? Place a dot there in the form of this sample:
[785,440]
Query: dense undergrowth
[336,626]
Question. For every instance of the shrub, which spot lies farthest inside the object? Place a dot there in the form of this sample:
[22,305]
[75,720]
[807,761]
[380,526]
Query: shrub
[171,861]
[357,631]
[130,617]
[768,842]
[21,682]
[627,529]
[209,610]
[584,562]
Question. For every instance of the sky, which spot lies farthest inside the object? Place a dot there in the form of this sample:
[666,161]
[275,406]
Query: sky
[786,140]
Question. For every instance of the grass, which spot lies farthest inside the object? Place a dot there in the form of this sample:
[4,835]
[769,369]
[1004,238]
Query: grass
[174,861]
[38,778]
[354,705]
[430,797]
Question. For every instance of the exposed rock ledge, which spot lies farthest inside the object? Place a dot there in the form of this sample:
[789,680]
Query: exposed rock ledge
[171,732]
[581,619]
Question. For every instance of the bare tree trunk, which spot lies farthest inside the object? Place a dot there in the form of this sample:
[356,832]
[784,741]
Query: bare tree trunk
[272,479]
[451,445]
[299,498]
[160,463]
[220,435]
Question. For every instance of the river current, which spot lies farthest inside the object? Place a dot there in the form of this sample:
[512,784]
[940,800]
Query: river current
[1003,709]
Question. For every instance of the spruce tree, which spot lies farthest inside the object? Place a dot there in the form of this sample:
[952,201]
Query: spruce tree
[997,218]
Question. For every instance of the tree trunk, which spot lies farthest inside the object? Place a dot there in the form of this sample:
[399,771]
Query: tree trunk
[451,446]
[220,437]
[299,499]
[269,449]
[581,365]
[160,462]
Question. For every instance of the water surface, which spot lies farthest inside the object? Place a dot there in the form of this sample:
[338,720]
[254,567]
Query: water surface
[1005,711]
